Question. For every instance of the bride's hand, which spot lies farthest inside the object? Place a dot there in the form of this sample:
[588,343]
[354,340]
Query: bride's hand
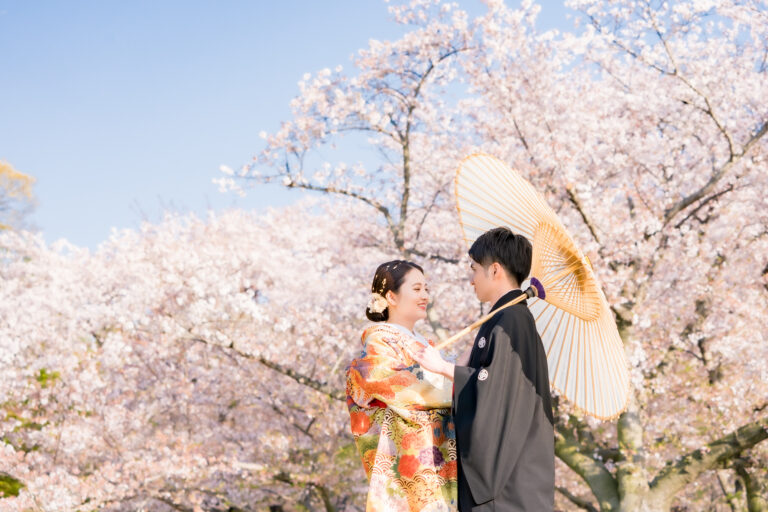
[430,359]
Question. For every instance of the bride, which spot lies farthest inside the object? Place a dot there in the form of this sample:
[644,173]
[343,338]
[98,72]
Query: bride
[400,413]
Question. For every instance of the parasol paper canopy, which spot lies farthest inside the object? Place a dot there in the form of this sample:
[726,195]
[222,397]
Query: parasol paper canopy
[585,353]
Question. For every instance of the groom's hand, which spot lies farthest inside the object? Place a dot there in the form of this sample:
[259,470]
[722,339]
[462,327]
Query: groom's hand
[430,359]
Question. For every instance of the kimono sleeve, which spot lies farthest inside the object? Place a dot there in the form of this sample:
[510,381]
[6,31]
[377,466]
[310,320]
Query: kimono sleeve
[494,410]
[381,374]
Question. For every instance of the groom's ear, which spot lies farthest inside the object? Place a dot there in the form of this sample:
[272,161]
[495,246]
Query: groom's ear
[496,271]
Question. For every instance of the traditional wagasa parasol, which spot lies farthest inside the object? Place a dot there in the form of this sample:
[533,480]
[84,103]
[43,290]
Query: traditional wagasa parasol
[585,353]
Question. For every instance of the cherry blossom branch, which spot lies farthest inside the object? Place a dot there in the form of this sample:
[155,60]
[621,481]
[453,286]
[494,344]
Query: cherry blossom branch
[427,210]
[757,490]
[709,111]
[522,139]
[579,208]
[676,73]
[734,156]
[348,193]
[674,477]
[366,128]
[703,203]
[594,473]
[670,213]
[395,228]
[635,55]
[321,387]
[295,480]
[581,503]
[623,316]
[437,257]
[309,382]
[406,146]
[730,497]
[145,496]
[172,504]
[304,430]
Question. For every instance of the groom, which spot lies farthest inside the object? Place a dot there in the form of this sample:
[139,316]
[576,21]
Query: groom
[501,400]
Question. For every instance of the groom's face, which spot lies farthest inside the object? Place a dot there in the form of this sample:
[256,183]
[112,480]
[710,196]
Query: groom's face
[480,280]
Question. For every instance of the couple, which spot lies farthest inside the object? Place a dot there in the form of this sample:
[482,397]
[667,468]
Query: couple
[476,435]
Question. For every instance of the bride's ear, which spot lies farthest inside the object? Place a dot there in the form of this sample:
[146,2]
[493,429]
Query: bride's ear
[391,298]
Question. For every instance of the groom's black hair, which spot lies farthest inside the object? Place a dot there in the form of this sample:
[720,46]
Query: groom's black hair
[501,245]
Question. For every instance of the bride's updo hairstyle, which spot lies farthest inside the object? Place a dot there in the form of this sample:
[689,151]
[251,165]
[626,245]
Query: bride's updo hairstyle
[389,277]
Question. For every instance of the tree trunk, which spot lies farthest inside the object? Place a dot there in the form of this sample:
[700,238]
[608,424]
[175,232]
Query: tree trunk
[757,490]
[735,498]
[632,477]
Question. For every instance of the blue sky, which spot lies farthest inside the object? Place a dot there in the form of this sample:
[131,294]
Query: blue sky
[122,110]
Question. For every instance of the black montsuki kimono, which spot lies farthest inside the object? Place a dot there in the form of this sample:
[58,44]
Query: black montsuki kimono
[503,417]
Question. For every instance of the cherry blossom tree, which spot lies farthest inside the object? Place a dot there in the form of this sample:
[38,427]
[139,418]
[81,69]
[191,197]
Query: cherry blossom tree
[652,151]
[645,128]
[167,370]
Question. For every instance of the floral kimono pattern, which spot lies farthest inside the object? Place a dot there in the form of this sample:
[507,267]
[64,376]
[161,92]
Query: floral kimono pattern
[402,425]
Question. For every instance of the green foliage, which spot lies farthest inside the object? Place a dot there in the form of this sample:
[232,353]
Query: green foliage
[20,447]
[46,378]
[9,486]
[346,453]
[25,423]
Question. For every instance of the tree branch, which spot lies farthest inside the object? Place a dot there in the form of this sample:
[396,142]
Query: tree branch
[704,203]
[340,191]
[676,476]
[623,317]
[757,497]
[427,211]
[298,480]
[734,157]
[318,386]
[302,379]
[579,208]
[732,498]
[438,257]
[594,473]
[406,145]
[670,213]
[582,504]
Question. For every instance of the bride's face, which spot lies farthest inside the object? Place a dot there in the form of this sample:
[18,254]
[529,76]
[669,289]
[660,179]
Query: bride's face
[410,302]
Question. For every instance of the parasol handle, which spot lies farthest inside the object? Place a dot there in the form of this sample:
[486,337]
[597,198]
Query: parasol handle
[535,290]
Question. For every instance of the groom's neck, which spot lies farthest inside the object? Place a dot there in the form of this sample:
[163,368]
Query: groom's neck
[500,292]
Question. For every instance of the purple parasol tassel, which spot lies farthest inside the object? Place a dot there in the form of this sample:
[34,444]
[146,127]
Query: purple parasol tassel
[540,293]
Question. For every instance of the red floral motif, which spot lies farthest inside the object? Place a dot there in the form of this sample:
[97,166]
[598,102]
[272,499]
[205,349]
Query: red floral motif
[360,422]
[448,471]
[410,441]
[408,466]
[384,389]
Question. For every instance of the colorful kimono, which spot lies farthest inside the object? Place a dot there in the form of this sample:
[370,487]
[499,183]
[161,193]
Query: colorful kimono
[402,425]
